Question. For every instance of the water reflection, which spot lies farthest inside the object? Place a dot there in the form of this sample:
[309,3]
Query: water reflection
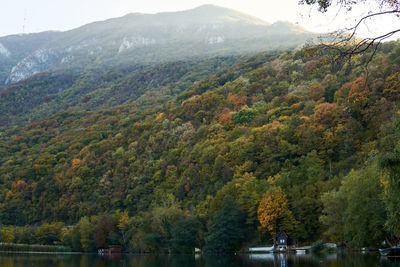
[256,260]
[332,260]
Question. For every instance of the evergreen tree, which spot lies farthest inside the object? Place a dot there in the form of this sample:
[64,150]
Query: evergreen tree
[226,228]
[184,234]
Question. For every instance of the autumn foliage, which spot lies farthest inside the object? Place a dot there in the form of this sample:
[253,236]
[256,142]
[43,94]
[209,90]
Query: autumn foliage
[276,131]
[271,208]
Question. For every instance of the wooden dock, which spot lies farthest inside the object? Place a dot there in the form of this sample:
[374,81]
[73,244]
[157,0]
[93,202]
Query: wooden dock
[273,249]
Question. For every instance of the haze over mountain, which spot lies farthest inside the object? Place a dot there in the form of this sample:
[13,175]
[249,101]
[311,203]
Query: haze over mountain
[145,38]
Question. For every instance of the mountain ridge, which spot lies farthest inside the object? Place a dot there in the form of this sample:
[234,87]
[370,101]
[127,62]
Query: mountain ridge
[135,38]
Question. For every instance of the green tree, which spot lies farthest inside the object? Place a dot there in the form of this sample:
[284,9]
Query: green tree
[184,235]
[392,87]
[226,229]
[391,165]
[85,234]
[304,184]
[244,116]
[7,234]
[125,225]
[247,191]
[389,162]
[355,214]
[49,234]
[333,215]
[364,215]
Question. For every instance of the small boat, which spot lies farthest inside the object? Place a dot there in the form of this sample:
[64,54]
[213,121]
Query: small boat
[301,251]
[390,252]
[262,249]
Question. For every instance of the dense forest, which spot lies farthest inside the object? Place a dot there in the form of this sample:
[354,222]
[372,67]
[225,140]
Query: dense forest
[290,141]
[100,87]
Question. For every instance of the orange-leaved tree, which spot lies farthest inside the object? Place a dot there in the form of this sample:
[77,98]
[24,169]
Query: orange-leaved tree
[272,207]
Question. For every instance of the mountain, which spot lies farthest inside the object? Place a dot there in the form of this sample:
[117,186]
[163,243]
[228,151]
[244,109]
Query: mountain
[145,38]
[286,129]
[143,130]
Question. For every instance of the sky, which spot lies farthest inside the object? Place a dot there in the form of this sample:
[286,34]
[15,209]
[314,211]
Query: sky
[29,16]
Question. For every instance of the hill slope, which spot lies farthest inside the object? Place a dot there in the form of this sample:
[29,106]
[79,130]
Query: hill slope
[281,125]
[94,89]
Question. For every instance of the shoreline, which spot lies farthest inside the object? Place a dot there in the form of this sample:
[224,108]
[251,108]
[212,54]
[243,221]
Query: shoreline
[41,252]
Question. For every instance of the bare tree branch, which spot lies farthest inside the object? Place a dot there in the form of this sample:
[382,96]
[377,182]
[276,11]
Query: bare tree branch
[354,29]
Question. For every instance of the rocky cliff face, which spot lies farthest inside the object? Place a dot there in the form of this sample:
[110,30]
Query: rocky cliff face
[38,61]
[139,38]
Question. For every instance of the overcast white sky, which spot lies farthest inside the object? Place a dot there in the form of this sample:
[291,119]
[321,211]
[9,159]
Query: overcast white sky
[17,16]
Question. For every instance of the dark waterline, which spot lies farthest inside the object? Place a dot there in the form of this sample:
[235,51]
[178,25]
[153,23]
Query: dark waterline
[276,260]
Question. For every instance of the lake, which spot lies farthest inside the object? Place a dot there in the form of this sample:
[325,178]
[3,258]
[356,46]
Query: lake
[276,260]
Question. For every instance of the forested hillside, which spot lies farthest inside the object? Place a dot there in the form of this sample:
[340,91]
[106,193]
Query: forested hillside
[102,87]
[277,141]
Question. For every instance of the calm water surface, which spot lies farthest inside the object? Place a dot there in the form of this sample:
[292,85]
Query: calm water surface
[276,260]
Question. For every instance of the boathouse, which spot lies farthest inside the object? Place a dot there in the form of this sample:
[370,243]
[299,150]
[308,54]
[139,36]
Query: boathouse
[113,249]
[283,241]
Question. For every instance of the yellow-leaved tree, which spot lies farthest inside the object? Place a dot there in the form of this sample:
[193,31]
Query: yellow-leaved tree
[273,213]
